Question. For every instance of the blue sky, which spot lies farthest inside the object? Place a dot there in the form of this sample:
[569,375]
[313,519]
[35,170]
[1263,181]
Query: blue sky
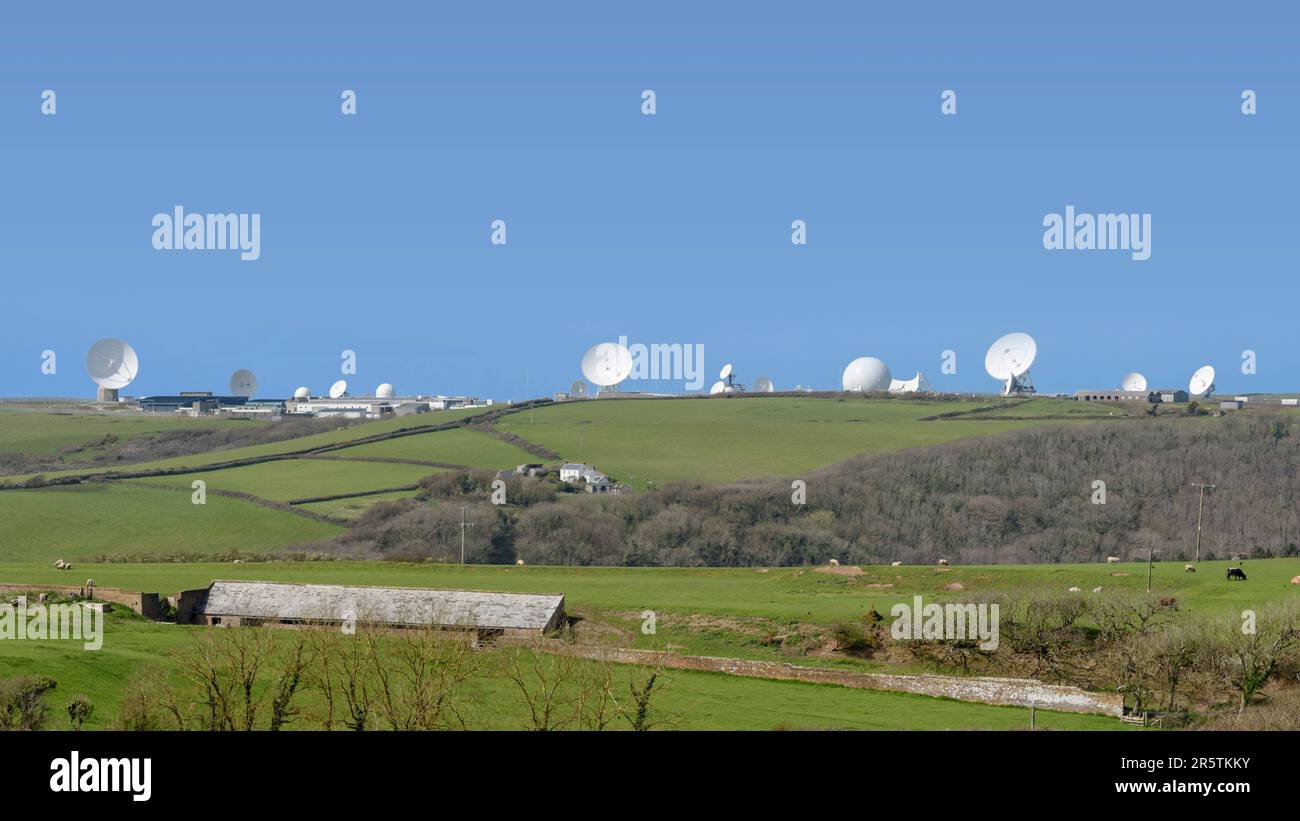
[924,231]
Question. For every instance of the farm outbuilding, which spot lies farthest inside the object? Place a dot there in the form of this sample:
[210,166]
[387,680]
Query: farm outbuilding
[237,603]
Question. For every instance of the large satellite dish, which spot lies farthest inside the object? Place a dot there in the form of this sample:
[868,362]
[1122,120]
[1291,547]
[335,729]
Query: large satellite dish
[302,393]
[578,388]
[764,385]
[1134,382]
[112,363]
[1008,361]
[866,374]
[338,389]
[725,372]
[606,364]
[384,391]
[719,387]
[243,383]
[1202,382]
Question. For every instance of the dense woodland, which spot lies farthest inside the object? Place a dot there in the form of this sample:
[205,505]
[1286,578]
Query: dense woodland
[1021,497]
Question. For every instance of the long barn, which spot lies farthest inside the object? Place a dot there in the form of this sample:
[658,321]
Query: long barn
[238,603]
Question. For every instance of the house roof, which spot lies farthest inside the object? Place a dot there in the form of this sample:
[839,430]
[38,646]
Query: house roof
[574,466]
[382,605]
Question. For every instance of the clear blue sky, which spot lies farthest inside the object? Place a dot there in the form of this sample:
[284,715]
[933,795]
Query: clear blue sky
[925,231]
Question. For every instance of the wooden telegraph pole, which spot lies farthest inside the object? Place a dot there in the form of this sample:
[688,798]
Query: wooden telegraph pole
[1199,509]
[463,524]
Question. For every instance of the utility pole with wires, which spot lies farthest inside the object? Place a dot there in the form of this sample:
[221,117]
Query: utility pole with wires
[1199,509]
[1150,560]
[463,524]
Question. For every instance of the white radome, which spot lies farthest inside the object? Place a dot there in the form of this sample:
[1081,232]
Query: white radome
[384,391]
[1134,382]
[302,393]
[866,374]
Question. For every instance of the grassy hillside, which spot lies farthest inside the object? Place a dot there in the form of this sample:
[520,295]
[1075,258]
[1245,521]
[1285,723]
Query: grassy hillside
[90,434]
[722,440]
[288,479]
[89,520]
[461,446]
[359,430]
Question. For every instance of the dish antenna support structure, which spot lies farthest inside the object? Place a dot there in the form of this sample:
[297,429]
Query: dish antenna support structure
[1008,361]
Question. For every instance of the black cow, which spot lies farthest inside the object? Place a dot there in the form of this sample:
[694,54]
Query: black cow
[1236,573]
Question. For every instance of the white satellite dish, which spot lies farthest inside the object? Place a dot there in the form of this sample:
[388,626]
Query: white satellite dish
[606,364]
[578,388]
[243,383]
[1134,382]
[112,363]
[1008,361]
[302,393]
[1202,382]
[718,387]
[725,372]
[384,391]
[764,385]
[866,374]
[338,389]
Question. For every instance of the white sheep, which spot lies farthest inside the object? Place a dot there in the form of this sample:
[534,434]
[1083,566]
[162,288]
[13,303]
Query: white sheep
[943,562]
[1097,589]
[895,564]
[519,562]
[1075,590]
[1189,568]
[1112,559]
[835,562]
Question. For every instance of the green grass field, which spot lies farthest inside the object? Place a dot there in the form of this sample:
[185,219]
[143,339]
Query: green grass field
[287,479]
[722,440]
[704,701]
[45,434]
[358,431]
[352,508]
[461,446]
[120,518]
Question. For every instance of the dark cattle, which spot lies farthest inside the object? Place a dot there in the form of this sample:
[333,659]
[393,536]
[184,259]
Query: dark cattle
[1236,573]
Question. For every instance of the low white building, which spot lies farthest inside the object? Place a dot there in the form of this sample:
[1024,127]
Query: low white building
[572,471]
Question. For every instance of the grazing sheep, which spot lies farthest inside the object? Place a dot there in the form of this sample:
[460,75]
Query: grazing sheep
[90,582]
[1075,590]
[238,561]
[1097,589]
[1236,573]
[1112,560]
[895,564]
[43,598]
[1295,580]
[519,562]
[1189,568]
[943,562]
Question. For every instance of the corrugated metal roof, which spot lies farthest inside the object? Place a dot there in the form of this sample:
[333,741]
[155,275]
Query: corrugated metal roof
[382,605]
